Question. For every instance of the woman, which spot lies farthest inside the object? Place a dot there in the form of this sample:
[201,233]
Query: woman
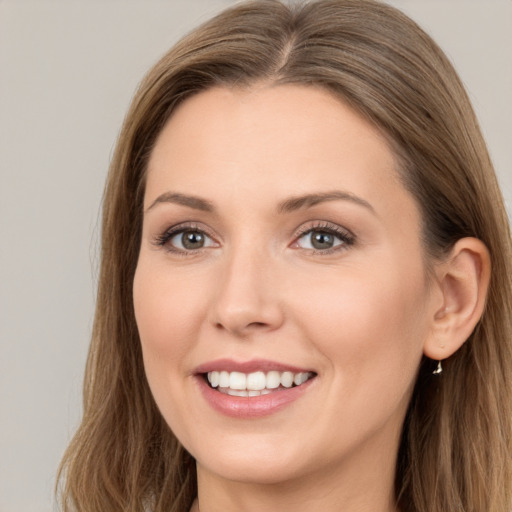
[305,284]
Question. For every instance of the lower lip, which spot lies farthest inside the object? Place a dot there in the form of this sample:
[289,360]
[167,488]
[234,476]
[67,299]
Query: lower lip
[245,407]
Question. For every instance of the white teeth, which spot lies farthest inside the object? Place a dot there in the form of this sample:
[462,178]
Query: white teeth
[273,380]
[237,380]
[287,379]
[214,379]
[237,392]
[223,379]
[256,383]
[300,378]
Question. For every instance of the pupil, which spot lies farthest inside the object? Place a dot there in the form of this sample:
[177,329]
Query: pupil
[322,240]
[192,240]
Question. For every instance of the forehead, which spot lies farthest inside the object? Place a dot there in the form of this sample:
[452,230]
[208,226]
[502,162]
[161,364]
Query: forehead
[269,142]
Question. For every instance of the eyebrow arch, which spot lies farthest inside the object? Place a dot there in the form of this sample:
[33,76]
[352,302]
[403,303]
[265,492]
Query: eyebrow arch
[289,205]
[194,202]
[309,200]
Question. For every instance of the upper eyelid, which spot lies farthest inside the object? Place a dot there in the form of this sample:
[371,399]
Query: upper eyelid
[327,226]
[189,226]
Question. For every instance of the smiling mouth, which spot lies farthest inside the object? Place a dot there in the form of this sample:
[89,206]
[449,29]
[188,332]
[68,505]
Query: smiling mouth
[255,383]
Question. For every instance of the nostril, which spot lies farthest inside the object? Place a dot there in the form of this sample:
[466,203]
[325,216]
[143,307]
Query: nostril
[242,318]
[250,326]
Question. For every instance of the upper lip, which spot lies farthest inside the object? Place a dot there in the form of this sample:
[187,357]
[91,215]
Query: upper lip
[254,365]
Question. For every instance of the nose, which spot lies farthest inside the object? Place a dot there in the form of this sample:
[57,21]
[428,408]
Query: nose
[248,299]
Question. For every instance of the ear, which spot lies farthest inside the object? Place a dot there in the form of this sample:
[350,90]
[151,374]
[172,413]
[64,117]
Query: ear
[462,281]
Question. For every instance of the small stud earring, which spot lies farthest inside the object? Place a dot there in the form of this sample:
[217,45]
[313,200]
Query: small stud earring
[439,369]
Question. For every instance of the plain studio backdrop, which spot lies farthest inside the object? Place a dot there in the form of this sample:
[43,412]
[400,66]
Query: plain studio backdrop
[68,69]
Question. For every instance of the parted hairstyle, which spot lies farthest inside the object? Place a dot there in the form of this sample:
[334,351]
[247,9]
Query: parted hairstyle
[455,451]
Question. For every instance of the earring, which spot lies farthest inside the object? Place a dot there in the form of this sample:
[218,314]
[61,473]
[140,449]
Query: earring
[439,369]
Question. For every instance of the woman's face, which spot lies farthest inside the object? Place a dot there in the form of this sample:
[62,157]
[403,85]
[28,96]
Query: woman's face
[279,245]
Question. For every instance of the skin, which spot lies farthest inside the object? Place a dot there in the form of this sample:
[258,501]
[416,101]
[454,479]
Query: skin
[360,316]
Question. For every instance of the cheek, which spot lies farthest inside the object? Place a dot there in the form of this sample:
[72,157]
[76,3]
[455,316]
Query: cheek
[371,321]
[166,310]
[370,332]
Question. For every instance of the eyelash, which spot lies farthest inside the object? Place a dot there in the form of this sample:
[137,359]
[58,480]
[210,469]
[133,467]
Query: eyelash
[345,236]
[163,239]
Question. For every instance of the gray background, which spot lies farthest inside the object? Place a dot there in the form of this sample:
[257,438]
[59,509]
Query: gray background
[68,69]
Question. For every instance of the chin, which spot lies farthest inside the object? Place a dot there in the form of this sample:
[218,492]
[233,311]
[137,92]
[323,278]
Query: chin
[249,469]
[257,459]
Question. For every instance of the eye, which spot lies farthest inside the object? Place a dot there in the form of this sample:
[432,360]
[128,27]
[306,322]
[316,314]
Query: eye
[184,239]
[319,240]
[324,239]
[190,240]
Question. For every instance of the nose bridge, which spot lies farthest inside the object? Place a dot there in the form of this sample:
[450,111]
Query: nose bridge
[247,298]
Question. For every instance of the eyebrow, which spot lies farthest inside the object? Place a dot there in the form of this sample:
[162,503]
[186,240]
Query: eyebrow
[288,205]
[309,200]
[197,203]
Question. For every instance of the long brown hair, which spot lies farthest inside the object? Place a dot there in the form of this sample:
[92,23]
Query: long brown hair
[456,443]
